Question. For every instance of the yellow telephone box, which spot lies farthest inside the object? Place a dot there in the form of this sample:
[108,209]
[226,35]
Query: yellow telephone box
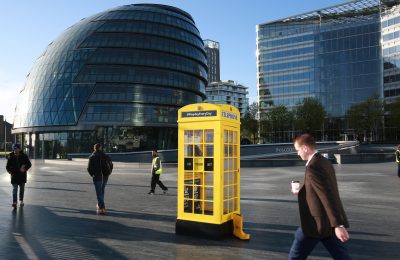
[208,169]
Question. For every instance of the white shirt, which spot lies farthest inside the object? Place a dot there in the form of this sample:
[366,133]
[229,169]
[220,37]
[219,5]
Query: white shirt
[309,159]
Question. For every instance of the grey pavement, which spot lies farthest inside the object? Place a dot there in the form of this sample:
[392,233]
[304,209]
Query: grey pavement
[59,219]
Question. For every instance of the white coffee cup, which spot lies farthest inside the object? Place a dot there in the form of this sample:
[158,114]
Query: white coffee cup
[295,186]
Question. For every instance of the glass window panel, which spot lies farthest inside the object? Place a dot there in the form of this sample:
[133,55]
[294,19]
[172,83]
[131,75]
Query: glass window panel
[198,150]
[209,178]
[188,150]
[208,208]
[197,207]
[226,150]
[198,136]
[209,150]
[188,136]
[225,136]
[235,149]
[209,194]
[226,164]
[234,137]
[187,204]
[209,136]
[227,193]
[230,137]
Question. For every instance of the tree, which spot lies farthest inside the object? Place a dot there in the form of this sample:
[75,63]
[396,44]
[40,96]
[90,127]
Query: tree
[393,110]
[309,116]
[249,123]
[277,124]
[366,117]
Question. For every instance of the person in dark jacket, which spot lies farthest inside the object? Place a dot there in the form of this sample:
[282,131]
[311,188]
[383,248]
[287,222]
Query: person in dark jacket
[322,215]
[18,165]
[99,175]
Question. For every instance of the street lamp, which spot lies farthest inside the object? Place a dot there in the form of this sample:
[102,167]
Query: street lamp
[5,137]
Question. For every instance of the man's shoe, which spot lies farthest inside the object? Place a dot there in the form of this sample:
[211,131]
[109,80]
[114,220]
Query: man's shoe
[14,205]
[165,191]
[21,203]
[150,193]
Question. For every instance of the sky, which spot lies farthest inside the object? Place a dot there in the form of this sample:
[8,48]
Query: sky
[27,27]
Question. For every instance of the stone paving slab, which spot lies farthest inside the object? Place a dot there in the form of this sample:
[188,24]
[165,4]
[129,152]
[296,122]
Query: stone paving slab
[59,219]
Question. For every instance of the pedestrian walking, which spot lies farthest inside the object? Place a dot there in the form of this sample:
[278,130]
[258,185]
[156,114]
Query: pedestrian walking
[100,167]
[156,170]
[17,166]
[398,160]
[322,216]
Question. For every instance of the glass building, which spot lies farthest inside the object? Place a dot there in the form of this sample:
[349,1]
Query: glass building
[227,92]
[117,77]
[332,54]
[391,52]
[212,52]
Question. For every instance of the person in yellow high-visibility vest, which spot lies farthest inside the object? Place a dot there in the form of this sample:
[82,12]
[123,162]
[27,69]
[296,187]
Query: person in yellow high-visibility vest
[398,160]
[156,170]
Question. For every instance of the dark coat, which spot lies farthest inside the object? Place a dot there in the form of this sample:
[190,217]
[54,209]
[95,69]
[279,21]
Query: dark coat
[94,166]
[14,164]
[321,209]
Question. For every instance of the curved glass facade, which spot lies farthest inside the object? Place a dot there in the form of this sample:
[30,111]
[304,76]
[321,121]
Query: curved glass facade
[117,77]
[332,54]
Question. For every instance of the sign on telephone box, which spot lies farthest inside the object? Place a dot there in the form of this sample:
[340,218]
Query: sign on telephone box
[208,169]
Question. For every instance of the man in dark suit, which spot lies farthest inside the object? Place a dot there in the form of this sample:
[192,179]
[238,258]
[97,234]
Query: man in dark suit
[321,211]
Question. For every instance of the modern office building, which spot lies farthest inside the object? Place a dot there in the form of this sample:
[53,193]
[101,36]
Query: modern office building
[117,77]
[391,52]
[6,138]
[212,51]
[335,55]
[228,92]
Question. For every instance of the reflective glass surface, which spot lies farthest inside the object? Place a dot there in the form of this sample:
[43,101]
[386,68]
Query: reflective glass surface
[336,62]
[131,66]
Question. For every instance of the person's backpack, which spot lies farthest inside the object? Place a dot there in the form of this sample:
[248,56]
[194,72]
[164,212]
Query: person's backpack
[106,165]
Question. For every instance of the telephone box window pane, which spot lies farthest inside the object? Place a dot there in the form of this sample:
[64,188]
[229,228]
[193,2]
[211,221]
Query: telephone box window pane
[235,137]
[230,137]
[188,150]
[188,136]
[209,194]
[227,195]
[209,136]
[231,160]
[198,136]
[197,207]
[226,150]
[235,177]
[209,164]
[226,178]
[208,208]
[209,178]
[209,150]
[198,151]
[225,136]
[226,165]
[230,150]
[187,204]
[235,147]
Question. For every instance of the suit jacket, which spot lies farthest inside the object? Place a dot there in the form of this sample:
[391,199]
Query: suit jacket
[321,209]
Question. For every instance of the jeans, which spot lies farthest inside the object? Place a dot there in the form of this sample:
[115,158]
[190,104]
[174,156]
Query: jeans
[21,192]
[100,188]
[302,246]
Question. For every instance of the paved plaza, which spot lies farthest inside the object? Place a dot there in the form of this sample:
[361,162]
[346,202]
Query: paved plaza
[59,219]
